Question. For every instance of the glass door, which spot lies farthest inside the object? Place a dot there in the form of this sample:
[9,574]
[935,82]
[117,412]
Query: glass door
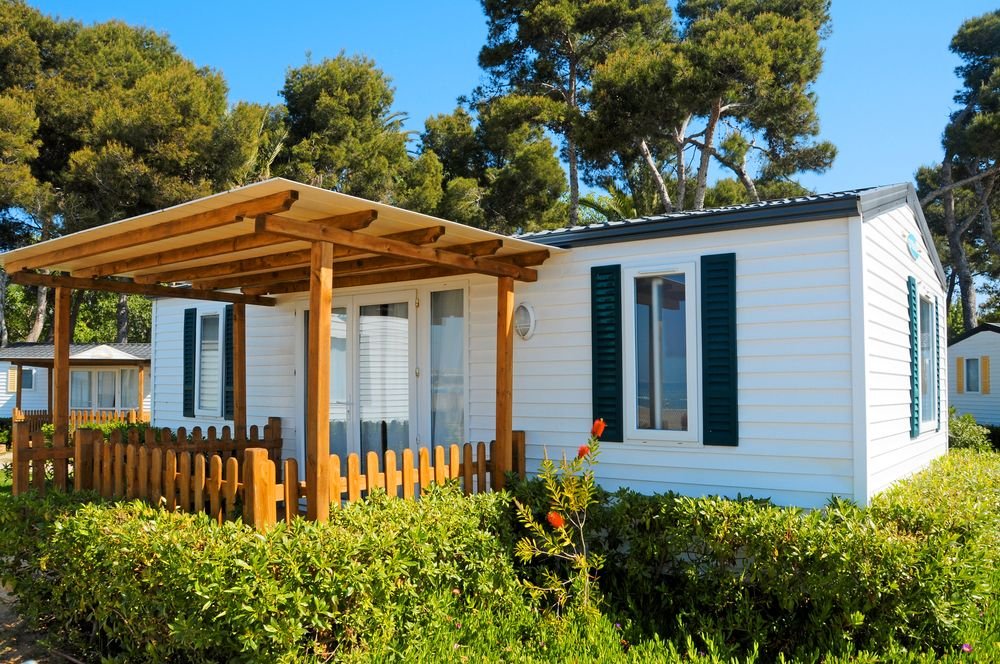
[385,360]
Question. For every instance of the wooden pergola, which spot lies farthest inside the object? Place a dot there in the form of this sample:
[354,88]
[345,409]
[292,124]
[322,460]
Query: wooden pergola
[270,238]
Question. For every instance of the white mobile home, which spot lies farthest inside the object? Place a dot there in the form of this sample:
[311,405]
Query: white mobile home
[102,377]
[971,374]
[779,362]
[788,349]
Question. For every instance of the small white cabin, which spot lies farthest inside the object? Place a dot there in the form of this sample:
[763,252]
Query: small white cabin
[103,377]
[970,373]
[786,349]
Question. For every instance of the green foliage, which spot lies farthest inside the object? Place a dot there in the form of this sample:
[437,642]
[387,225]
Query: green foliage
[571,491]
[965,433]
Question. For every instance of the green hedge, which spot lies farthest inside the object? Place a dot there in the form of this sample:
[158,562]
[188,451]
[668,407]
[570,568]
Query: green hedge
[913,570]
[155,586]
[435,580]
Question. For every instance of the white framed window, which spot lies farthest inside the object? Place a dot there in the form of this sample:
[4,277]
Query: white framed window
[208,399]
[80,390]
[928,362]
[27,379]
[129,388]
[661,354]
[972,375]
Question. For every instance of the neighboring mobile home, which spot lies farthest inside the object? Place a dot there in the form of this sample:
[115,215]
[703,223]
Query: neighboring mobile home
[970,373]
[103,377]
[787,349]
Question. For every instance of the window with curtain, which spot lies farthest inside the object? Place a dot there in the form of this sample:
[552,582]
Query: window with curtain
[106,390]
[79,390]
[661,352]
[447,370]
[210,365]
[129,380]
[928,363]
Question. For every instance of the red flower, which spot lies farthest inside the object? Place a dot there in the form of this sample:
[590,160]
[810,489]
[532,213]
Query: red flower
[583,451]
[555,520]
[598,428]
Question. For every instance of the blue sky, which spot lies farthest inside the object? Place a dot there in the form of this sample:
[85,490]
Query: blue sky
[884,95]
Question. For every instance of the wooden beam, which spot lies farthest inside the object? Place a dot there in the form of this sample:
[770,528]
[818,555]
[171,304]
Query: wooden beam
[349,221]
[254,279]
[381,245]
[207,250]
[369,279]
[201,221]
[318,383]
[240,371]
[527,258]
[62,336]
[115,286]
[505,381]
[273,262]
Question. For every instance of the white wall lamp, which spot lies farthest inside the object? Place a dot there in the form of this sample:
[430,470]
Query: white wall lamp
[524,320]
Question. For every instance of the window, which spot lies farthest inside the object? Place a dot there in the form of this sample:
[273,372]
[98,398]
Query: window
[447,390]
[79,390]
[129,381]
[972,375]
[27,379]
[210,365]
[928,363]
[662,393]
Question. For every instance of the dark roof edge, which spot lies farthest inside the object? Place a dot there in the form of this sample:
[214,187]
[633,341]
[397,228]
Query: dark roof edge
[984,327]
[808,210]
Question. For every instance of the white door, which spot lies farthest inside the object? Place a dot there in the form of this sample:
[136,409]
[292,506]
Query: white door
[372,373]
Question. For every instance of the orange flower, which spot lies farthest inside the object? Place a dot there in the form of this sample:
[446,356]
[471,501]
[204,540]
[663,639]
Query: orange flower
[583,451]
[598,428]
[555,520]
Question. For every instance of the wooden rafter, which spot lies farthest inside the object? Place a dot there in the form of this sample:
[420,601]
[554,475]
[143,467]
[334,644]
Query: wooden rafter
[272,262]
[132,288]
[380,245]
[370,279]
[201,221]
[184,254]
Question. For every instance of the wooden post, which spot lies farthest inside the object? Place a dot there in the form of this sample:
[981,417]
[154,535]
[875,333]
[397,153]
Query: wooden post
[62,337]
[259,500]
[503,461]
[142,392]
[318,383]
[240,371]
[19,445]
[20,379]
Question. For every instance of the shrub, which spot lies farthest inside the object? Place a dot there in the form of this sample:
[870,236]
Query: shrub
[146,585]
[965,433]
[912,570]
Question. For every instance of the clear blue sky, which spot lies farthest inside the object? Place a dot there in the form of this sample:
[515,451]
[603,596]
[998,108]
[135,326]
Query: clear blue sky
[884,95]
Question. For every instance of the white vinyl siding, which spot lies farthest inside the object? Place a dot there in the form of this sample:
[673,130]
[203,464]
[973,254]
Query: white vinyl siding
[891,452]
[35,399]
[984,407]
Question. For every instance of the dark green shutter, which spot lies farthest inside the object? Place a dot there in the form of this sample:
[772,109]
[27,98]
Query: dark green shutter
[227,354]
[911,294]
[606,345]
[718,350]
[937,364]
[190,345]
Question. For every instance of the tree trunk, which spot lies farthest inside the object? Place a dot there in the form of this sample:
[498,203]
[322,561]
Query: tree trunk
[74,311]
[4,336]
[661,186]
[571,155]
[680,140]
[706,155]
[41,309]
[122,316]
[966,286]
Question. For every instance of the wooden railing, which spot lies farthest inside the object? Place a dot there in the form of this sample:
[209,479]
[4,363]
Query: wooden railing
[212,473]
[36,418]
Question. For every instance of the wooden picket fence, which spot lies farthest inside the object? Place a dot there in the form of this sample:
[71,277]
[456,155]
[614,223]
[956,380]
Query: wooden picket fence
[215,473]
[36,418]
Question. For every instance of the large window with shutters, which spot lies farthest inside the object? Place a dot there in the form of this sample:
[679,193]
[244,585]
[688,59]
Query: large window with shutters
[661,354]
[928,362]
